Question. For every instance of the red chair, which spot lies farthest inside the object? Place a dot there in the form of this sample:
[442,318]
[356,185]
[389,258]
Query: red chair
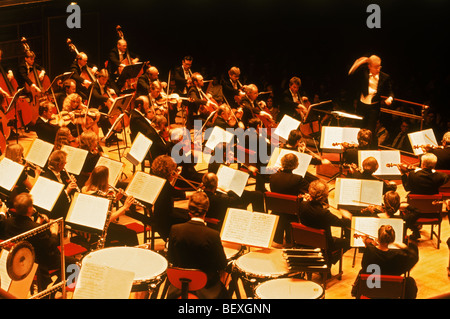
[281,203]
[389,287]
[315,238]
[187,280]
[430,208]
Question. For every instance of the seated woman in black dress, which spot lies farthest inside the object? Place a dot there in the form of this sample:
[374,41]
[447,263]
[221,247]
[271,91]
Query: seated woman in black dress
[393,262]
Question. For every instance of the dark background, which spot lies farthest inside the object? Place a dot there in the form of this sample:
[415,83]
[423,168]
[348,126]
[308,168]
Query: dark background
[269,40]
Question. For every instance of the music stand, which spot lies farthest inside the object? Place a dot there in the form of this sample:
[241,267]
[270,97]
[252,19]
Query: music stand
[130,72]
[120,106]
[112,131]
[56,81]
[11,105]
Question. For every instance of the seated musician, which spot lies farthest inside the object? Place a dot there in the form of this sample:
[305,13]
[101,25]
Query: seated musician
[102,98]
[150,75]
[226,118]
[117,234]
[69,86]
[389,209]
[76,109]
[165,213]
[118,59]
[44,127]
[26,180]
[350,154]
[286,182]
[201,105]
[250,106]
[231,87]
[81,74]
[182,75]
[393,262]
[89,141]
[55,171]
[64,137]
[292,103]
[313,212]
[369,167]
[424,180]
[157,103]
[45,243]
[442,153]
[193,245]
[25,68]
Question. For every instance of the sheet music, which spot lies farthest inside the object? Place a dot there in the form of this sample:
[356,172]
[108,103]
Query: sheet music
[5,280]
[336,134]
[139,149]
[115,169]
[39,152]
[46,192]
[383,158]
[286,125]
[358,192]
[75,159]
[145,187]
[231,179]
[218,135]
[10,172]
[89,211]
[370,226]
[249,228]
[423,137]
[303,160]
[120,104]
[103,282]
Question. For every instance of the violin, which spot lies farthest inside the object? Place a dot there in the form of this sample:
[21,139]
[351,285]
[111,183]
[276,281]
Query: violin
[402,167]
[346,145]
[428,147]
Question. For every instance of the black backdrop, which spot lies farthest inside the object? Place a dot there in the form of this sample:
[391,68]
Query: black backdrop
[270,40]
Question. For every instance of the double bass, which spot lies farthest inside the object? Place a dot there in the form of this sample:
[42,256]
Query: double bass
[42,85]
[87,73]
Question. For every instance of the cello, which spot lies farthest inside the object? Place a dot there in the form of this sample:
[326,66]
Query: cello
[42,84]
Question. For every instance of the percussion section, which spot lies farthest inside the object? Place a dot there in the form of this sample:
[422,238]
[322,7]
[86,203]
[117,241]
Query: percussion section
[289,288]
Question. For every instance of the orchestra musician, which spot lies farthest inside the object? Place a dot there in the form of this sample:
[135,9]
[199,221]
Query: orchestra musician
[150,75]
[69,86]
[250,105]
[292,102]
[231,87]
[76,109]
[182,75]
[55,171]
[64,137]
[350,154]
[44,128]
[157,102]
[200,104]
[226,118]
[442,152]
[285,182]
[116,234]
[89,141]
[45,243]
[369,85]
[82,74]
[118,59]
[165,212]
[193,245]
[25,68]
[424,180]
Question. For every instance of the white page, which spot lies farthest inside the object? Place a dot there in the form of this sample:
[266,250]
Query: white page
[39,152]
[370,226]
[218,135]
[335,134]
[97,281]
[231,179]
[285,126]
[349,191]
[75,159]
[303,160]
[45,193]
[115,169]
[371,192]
[145,187]
[423,137]
[5,280]
[139,149]
[10,172]
[383,158]
[88,210]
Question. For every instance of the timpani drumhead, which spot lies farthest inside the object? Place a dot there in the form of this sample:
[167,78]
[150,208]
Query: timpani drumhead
[145,264]
[263,263]
[289,288]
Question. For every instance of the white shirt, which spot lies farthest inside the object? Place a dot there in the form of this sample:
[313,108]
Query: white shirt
[373,85]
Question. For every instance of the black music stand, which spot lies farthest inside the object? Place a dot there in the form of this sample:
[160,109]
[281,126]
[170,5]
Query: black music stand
[112,130]
[56,84]
[129,72]
[11,105]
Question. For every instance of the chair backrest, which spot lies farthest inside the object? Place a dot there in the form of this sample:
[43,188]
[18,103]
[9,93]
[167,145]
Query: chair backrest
[179,277]
[307,236]
[446,187]
[381,286]
[281,203]
[426,204]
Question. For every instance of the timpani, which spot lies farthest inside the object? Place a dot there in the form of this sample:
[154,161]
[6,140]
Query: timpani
[289,288]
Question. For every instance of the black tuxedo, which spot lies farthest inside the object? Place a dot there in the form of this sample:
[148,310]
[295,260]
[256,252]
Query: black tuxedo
[180,80]
[194,245]
[143,85]
[77,76]
[288,106]
[23,71]
[249,108]
[45,131]
[443,158]
[229,91]
[424,181]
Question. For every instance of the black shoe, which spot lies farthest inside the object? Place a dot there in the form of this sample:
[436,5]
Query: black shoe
[414,236]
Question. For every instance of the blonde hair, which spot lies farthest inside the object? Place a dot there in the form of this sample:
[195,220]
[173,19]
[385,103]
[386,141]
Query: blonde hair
[67,106]
[14,152]
[88,140]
